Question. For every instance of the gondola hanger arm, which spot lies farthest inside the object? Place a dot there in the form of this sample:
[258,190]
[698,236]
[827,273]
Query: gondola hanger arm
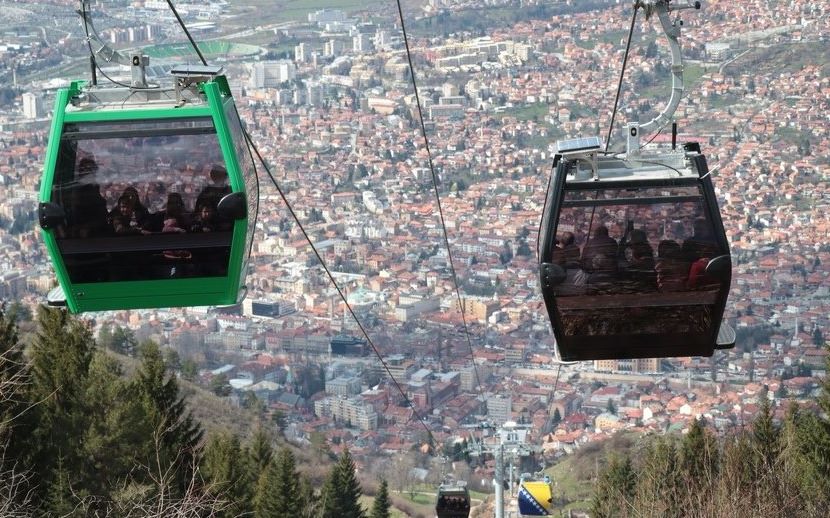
[672,31]
[137,62]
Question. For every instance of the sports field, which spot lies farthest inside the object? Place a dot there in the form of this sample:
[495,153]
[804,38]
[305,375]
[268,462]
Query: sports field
[208,48]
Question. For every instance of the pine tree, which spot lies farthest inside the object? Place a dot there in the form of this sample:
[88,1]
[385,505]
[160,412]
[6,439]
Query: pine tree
[61,354]
[117,434]
[278,492]
[813,443]
[765,439]
[557,417]
[61,499]
[226,468]
[614,490]
[380,509]
[260,452]
[699,456]
[13,376]
[176,436]
[341,493]
[309,503]
[658,484]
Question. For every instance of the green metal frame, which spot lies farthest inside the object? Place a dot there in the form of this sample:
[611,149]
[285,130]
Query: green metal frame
[156,293]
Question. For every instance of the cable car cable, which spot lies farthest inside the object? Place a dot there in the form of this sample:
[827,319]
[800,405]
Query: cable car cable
[252,146]
[92,52]
[622,74]
[438,198]
[187,32]
[336,286]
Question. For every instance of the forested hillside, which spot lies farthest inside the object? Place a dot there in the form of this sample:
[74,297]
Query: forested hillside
[767,469]
[79,437]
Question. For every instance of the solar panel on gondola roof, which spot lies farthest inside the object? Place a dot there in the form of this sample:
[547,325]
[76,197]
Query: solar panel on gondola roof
[578,144]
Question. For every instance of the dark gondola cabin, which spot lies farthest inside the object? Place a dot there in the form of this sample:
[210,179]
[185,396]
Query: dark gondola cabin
[453,501]
[634,261]
[148,197]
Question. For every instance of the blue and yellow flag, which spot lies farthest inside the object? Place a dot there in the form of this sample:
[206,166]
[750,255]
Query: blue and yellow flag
[535,499]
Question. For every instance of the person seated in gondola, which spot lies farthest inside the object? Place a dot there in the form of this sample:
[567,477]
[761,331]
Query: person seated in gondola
[600,245]
[123,218]
[173,219]
[205,219]
[85,207]
[602,277]
[639,271]
[566,253]
[138,212]
[672,269]
[702,243]
[217,189]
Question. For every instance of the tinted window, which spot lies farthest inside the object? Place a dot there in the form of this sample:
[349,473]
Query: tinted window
[130,190]
[246,165]
[633,260]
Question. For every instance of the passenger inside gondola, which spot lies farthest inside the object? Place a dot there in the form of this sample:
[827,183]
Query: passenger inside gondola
[672,269]
[139,211]
[123,218]
[600,245]
[702,243]
[638,273]
[85,207]
[567,253]
[217,188]
[173,219]
[205,219]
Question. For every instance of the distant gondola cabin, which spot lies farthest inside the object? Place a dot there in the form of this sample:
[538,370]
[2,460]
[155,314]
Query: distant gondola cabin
[634,259]
[148,197]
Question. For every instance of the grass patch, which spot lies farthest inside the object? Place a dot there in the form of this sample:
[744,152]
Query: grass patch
[573,477]
[535,112]
[720,102]
[297,10]
[612,37]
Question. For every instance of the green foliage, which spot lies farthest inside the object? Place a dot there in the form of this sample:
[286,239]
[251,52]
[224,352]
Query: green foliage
[341,493]
[657,486]
[13,376]
[176,436]
[278,491]
[220,385]
[61,354]
[226,468]
[770,469]
[121,340]
[698,455]
[189,370]
[117,430]
[614,488]
[260,452]
[380,508]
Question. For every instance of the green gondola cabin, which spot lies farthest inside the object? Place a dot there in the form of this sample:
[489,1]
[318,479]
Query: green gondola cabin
[148,197]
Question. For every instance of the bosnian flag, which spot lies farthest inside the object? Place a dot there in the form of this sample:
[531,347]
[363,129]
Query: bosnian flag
[535,499]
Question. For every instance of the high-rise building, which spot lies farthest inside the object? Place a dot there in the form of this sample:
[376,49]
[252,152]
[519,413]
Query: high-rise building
[499,409]
[32,106]
[269,74]
[363,43]
[301,53]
